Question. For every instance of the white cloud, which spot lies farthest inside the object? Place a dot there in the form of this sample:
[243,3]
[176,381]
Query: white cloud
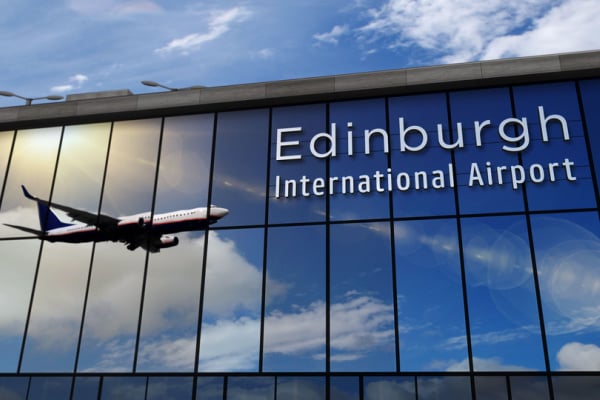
[577,356]
[485,364]
[570,26]
[332,36]
[266,53]
[464,30]
[77,82]
[219,24]
[390,388]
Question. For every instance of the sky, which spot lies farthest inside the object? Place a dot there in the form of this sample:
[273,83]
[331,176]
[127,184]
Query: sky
[80,46]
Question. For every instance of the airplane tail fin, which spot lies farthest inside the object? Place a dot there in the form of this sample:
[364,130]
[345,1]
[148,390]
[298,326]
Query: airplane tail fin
[48,219]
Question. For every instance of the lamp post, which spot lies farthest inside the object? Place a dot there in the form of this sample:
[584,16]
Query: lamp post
[28,100]
[172,89]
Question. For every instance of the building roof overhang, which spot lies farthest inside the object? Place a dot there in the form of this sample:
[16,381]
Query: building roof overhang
[122,104]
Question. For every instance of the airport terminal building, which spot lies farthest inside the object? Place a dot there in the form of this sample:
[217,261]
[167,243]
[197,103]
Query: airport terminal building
[426,233]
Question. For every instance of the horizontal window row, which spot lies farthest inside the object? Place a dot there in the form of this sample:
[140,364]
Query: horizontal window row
[422,295]
[525,387]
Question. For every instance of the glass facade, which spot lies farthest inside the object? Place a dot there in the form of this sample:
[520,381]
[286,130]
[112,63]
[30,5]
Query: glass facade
[426,246]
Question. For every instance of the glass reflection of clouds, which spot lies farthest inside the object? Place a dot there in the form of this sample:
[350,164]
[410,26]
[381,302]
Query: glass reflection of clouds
[110,326]
[501,295]
[32,163]
[230,330]
[294,327]
[430,304]
[170,313]
[382,388]
[362,306]
[17,268]
[301,388]
[60,287]
[173,279]
[567,248]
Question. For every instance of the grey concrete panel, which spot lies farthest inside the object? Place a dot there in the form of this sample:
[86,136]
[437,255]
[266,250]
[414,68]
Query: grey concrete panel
[107,105]
[99,95]
[169,99]
[515,66]
[47,110]
[9,114]
[444,73]
[300,87]
[384,79]
[225,94]
[576,61]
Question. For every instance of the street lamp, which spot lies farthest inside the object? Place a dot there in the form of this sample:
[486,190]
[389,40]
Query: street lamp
[172,89]
[28,100]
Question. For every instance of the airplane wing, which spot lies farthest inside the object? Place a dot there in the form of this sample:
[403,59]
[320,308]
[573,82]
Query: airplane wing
[102,221]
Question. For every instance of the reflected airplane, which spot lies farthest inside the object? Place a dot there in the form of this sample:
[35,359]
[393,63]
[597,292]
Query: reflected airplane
[143,230]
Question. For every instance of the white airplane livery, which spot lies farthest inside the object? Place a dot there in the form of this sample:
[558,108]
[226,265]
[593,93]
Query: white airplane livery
[150,232]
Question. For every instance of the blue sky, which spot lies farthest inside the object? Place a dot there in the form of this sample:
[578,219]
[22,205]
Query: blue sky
[77,46]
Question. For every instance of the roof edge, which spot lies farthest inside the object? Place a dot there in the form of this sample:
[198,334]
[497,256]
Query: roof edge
[123,104]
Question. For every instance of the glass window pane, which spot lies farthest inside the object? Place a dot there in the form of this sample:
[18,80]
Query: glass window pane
[111,318]
[6,139]
[297,177]
[356,163]
[505,328]
[362,301]
[58,302]
[425,177]
[430,301]
[32,164]
[245,388]
[481,112]
[444,387]
[301,387]
[554,108]
[12,387]
[86,387]
[529,388]
[17,269]
[170,317]
[590,95]
[169,388]
[209,388]
[240,169]
[294,332]
[344,388]
[230,334]
[576,387]
[567,249]
[50,388]
[383,388]
[124,387]
[491,388]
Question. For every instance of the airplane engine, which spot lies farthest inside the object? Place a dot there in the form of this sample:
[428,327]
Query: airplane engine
[142,223]
[167,241]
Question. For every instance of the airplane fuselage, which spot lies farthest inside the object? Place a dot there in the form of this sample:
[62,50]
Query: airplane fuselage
[159,224]
[145,230]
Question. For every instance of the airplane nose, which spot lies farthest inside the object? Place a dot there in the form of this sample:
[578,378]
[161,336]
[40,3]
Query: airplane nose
[218,212]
